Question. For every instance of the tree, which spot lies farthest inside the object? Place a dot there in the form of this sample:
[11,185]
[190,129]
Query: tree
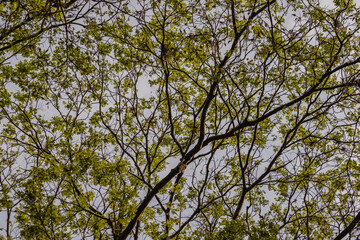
[178,119]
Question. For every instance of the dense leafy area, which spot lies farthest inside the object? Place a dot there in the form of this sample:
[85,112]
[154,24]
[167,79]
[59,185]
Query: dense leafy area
[170,119]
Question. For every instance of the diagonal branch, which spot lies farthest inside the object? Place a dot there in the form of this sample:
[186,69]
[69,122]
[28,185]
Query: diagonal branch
[349,228]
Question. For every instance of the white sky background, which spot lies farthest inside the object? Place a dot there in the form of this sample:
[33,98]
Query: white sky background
[145,91]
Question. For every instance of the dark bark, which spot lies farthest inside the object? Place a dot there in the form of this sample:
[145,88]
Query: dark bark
[349,228]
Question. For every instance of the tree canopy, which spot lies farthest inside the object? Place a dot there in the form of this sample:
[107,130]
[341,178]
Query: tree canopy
[173,119]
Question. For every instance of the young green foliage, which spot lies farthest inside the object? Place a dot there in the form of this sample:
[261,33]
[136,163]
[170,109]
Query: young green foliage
[179,119]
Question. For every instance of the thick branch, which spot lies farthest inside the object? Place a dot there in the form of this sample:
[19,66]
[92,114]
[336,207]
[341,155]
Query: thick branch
[349,228]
